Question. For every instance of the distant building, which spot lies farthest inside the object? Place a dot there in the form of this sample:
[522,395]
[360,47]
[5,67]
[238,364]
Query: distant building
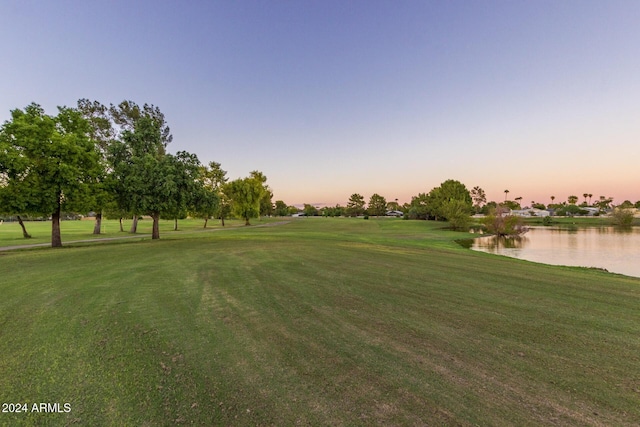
[531,212]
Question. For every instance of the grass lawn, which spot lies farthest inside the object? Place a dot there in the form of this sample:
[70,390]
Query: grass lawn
[40,231]
[314,322]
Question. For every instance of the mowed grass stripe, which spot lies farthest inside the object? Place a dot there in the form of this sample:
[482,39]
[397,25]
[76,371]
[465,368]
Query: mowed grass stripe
[320,321]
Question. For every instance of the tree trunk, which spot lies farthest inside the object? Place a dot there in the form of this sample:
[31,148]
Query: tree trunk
[134,225]
[175,224]
[246,221]
[155,234]
[205,222]
[24,229]
[121,229]
[56,240]
[98,225]
[222,218]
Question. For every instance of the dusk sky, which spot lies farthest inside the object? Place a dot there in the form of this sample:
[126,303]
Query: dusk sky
[330,98]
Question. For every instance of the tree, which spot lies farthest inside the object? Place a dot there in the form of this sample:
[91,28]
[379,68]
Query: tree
[48,164]
[102,133]
[182,180]
[479,198]
[377,205]
[572,200]
[145,179]
[127,114]
[585,195]
[310,210]
[281,208]
[207,202]
[266,206]
[245,195]
[457,213]
[355,206]
[505,194]
[519,201]
[447,191]
[622,216]
[125,118]
[500,223]
[590,196]
[418,207]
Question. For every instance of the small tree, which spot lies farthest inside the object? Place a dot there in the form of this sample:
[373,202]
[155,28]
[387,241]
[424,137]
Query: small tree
[479,198]
[500,223]
[245,195]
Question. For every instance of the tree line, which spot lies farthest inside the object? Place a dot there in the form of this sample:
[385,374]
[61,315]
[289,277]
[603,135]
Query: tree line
[450,201]
[113,160]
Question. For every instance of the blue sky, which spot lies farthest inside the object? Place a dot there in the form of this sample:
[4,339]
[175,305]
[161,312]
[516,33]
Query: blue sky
[328,98]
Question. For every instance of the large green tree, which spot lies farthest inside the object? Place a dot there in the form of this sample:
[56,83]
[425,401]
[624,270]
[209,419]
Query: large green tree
[48,164]
[146,180]
[245,195]
[355,206]
[377,205]
[103,133]
[125,117]
[447,191]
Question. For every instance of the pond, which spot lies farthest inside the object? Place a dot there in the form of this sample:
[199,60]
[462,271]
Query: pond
[612,248]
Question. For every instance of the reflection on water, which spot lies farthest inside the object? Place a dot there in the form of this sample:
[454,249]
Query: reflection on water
[613,248]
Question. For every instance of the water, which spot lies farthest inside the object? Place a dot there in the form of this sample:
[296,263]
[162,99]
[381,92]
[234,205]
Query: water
[614,249]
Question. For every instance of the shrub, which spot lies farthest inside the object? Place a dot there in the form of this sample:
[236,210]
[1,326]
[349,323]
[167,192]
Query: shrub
[623,217]
[501,224]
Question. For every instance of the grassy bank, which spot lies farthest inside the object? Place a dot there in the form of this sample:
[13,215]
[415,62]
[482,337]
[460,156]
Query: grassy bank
[319,321]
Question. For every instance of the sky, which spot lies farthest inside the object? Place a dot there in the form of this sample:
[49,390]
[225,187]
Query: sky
[330,98]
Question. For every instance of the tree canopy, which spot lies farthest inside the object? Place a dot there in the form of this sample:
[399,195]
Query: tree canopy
[377,205]
[355,206]
[245,195]
[48,164]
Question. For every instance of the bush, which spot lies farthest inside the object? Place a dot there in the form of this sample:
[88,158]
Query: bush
[501,224]
[622,217]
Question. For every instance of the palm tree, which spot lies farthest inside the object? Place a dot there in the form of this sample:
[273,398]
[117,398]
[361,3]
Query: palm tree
[585,195]
[505,194]
[590,196]
[552,199]
[518,199]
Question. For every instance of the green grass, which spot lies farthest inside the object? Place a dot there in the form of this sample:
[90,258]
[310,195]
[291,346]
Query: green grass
[315,322]
[40,231]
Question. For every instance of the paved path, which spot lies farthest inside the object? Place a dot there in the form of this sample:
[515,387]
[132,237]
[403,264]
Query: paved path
[135,236]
